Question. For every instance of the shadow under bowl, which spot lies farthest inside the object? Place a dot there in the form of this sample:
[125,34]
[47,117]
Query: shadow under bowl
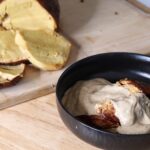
[111,66]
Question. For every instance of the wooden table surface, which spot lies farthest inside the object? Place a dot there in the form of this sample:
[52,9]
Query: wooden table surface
[36,125]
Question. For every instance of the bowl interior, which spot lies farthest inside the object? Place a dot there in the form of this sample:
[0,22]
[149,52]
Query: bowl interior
[111,66]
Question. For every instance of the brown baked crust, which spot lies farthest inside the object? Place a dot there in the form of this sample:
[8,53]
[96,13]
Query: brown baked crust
[11,83]
[136,86]
[25,61]
[105,117]
[14,81]
[100,121]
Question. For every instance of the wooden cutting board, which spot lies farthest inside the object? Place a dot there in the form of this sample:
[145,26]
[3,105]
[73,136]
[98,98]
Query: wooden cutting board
[93,26]
[142,4]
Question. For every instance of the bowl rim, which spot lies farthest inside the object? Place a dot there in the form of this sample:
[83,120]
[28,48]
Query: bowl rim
[58,99]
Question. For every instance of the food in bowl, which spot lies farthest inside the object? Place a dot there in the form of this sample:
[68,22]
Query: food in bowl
[123,107]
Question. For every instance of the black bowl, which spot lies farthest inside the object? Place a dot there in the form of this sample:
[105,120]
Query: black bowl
[111,66]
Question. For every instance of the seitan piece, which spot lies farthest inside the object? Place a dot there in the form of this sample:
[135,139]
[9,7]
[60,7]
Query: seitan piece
[44,49]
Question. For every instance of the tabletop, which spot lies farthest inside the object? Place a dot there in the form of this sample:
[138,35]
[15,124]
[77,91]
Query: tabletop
[36,125]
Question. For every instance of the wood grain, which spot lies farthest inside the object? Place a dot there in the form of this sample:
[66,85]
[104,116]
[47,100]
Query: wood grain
[36,125]
[141,5]
[94,26]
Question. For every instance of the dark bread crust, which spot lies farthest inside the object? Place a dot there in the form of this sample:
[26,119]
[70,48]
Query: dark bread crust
[105,117]
[100,121]
[25,61]
[13,82]
[143,87]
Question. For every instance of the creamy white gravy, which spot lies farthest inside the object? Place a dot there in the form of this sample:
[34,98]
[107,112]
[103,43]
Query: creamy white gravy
[132,109]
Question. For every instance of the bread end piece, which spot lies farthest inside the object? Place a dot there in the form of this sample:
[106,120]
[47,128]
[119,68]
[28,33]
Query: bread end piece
[105,117]
[135,86]
[10,75]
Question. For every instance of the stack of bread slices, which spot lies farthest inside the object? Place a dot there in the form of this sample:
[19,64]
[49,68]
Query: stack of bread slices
[28,34]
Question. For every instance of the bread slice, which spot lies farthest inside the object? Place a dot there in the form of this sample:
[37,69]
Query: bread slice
[135,86]
[9,51]
[45,50]
[9,75]
[105,117]
[100,121]
[28,14]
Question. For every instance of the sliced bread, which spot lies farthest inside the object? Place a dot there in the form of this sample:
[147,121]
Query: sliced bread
[45,50]
[9,75]
[27,14]
[9,51]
